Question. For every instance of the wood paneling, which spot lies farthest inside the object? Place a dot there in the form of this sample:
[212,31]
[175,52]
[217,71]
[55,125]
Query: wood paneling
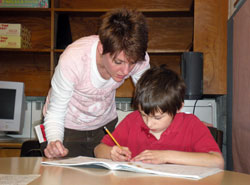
[166,5]
[32,65]
[166,34]
[173,29]
[170,34]
[210,37]
[38,24]
[172,61]
[126,90]
[31,68]
[83,26]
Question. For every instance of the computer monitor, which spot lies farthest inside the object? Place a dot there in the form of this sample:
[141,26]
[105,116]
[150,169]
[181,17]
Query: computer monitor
[12,108]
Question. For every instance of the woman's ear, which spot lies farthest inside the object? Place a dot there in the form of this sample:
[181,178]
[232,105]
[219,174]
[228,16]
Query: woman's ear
[180,108]
[100,48]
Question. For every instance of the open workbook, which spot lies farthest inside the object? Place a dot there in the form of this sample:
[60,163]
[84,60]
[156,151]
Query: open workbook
[170,170]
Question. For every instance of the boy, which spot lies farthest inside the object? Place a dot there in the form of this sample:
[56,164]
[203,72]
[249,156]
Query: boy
[157,132]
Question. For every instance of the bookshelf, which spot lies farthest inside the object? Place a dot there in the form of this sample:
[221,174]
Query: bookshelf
[172,30]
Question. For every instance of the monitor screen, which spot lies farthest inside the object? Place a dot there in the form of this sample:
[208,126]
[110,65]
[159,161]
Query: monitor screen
[12,105]
[7,99]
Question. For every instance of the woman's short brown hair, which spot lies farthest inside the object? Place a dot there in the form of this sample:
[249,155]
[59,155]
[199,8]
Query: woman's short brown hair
[159,89]
[124,30]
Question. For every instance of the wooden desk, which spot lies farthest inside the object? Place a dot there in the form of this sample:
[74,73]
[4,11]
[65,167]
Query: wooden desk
[54,175]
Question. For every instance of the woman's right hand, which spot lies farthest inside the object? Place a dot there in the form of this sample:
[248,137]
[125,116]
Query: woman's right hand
[55,149]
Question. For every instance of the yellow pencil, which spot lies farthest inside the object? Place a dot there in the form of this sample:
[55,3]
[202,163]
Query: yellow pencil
[112,137]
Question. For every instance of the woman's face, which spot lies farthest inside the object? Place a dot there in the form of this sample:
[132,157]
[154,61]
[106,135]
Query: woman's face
[117,68]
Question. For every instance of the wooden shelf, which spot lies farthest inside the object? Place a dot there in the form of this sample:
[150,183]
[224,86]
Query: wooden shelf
[25,50]
[25,11]
[58,50]
[167,51]
[37,22]
[148,10]
[174,28]
[35,10]
[142,5]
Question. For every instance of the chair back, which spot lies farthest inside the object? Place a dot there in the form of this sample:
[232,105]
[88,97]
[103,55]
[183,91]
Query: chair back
[31,148]
[218,136]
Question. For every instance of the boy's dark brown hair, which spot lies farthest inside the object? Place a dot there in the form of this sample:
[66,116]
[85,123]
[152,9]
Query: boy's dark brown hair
[159,89]
[124,30]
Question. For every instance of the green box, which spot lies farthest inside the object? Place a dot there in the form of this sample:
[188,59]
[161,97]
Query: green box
[24,3]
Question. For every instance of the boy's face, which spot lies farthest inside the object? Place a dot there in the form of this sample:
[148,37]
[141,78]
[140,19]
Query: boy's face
[157,123]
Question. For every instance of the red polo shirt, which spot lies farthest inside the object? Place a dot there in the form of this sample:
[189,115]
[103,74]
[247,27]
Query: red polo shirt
[185,133]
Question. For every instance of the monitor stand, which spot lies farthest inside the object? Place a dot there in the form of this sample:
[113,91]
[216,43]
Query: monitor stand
[4,137]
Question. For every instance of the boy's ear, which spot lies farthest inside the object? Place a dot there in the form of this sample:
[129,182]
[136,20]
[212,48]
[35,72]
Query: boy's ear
[180,108]
[100,48]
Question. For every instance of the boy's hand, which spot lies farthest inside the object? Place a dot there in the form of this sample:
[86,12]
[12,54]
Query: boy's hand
[120,154]
[150,156]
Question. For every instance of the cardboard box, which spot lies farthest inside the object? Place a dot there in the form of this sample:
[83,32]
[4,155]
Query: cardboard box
[14,36]
[10,41]
[13,29]
[24,3]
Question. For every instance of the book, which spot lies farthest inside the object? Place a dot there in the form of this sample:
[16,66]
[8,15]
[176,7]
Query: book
[10,41]
[24,3]
[168,170]
[13,29]
[40,133]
